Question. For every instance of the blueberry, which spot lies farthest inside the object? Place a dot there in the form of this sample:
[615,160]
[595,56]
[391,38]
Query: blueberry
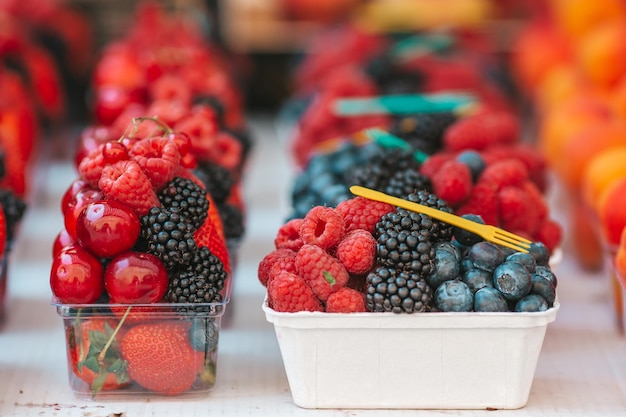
[450,247]
[543,286]
[546,272]
[531,303]
[477,278]
[512,279]
[445,266]
[485,255]
[321,182]
[466,264]
[540,252]
[203,334]
[465,237]
[523,258]
[489,299]
[454,296]
[334,195]
[474,162]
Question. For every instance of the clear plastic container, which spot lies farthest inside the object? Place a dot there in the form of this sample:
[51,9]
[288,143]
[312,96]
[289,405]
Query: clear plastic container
[141,350]
[411,361]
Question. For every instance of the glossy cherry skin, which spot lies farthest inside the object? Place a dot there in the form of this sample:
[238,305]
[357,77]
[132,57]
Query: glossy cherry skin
[77,185]
[76,206]
[107,228]
[135,278]
[76,276]
[62,240]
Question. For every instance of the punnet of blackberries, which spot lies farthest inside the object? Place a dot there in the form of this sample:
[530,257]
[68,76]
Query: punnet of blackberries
[378,258]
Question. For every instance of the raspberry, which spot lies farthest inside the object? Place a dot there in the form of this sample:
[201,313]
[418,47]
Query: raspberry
[517,214]
[505,172]
[481,131]
[362,213]
[125,181]
[453,182]
[289,293]
[270,259]
[346,300]
[529,156]
[434,162]
[158,157]
[357,251]
[483,202]
[288,235]
[91,166]
[286,264]
[550,234]
[322,226]
[320,270]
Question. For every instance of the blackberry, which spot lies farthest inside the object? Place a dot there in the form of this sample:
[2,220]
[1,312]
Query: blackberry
[217,180]
[199,282]
[169,236]
[407,181]
[404,241]
[381,165]
[440,230]
[423,131]
[232,220]
[188,198]
[14,209]
[388,290]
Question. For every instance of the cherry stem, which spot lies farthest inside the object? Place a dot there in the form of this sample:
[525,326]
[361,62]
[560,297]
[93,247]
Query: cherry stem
[161,125]
[106,347]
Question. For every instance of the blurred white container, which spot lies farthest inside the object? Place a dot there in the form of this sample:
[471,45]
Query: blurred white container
[412,361]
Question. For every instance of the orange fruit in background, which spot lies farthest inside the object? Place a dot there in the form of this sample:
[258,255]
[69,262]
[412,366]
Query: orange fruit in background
[558,85]
[620,260]
[612,211]
[584,145]
[577,17]
[559,124]
[601,53]
[602,171]
[585,239]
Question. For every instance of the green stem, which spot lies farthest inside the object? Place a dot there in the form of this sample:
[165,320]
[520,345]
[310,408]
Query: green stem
[106,347]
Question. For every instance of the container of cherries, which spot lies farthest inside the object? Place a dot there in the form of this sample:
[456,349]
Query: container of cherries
[140,272]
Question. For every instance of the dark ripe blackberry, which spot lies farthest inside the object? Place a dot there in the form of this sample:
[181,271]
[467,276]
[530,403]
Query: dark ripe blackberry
[423,131]
[232,220]
[380,167]
[388,290]
[404,242]
[199,282]
[440,230]
[169,236]
[217,180]
[407,181]
[14,209]
[188,198]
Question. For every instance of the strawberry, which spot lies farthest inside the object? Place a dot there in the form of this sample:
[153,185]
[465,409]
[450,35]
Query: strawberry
[125,181]
[158,157]
[160,357]
[3,232]
[211,235]
[86,343]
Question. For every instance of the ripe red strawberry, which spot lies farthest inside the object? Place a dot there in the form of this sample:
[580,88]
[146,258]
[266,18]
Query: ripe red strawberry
[453,182]
[346,300]
[160,357]
[3,231]
[362,213]
[86,341]
[357,251]
[125,181]
[288,292]
[211,235]
[158,157]
[321,271]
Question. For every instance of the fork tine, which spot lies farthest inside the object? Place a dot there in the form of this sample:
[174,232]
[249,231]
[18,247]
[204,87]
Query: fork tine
[510,235]
[515,246]
[509,239]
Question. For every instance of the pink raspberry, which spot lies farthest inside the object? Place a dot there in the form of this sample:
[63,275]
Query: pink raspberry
[286,264]
[322,226]
[289,293]
[158,157]
[322,271]
[453,182]
[288,235]
[346,300]
[270,259]
[91,166]
[362,213]
[357,251]
[127,182]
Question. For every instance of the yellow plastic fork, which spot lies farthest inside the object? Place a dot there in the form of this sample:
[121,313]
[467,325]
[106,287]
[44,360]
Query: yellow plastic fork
[491,233]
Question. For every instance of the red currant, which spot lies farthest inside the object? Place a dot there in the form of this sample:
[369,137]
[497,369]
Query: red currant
[135,278]
[76,205]
[107,228]
[76,276]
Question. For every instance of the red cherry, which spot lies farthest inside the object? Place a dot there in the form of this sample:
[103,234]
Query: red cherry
[90,138]
[114,152]
[135,278]
[182,140]
[77,185]
[62,241]
[107,228]
[76,276]
[76,205]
